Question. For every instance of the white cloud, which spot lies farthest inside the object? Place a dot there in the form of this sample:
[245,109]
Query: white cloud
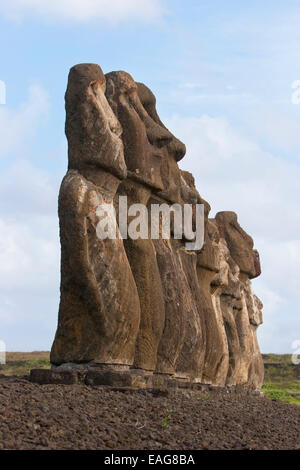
[29,275]
[81,11]
[274,127]
[29,242]
[26,189]
[234,173]
[16,125]
[29,257]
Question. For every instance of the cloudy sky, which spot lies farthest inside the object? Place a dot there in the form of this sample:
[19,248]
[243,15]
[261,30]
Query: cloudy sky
[223,74]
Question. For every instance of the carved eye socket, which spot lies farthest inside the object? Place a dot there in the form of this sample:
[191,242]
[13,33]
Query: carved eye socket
[150,110]
[163,141]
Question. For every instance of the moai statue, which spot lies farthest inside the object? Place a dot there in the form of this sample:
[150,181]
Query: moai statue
[212,270]
[182,346]
[190,362]
[99,311]
[143,140]
[256,369]
[225,303]
[244,265]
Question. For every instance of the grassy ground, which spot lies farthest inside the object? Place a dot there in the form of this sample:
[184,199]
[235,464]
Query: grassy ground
[277,358]
[282,378]
[18,363]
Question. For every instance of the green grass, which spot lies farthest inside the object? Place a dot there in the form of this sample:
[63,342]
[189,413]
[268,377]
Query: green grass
[166,421]
[279,391]
[203,396]
[281,379]
[21,363]
[277,358]
[24,367]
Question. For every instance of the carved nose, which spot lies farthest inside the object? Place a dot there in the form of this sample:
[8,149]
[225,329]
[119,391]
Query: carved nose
[177,148]
[157,135]
[161,137]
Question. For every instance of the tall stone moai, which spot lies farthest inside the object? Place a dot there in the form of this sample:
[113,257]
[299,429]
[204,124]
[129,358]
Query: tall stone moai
[99,313]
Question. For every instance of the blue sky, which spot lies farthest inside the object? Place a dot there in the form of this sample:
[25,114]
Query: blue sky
[222,73]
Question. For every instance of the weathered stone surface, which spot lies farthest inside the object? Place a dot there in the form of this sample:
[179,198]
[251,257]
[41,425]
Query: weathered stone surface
[239,243]
[108,377]
[143,154]
[174,330]
[99,311]
[48,376]
[150,305]
[240,307]
[190,361]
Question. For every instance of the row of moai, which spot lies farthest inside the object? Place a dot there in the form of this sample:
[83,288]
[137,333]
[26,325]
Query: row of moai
[147,304]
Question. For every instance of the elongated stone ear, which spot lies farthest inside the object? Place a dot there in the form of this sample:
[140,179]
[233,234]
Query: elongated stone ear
[110,94]
[92,129]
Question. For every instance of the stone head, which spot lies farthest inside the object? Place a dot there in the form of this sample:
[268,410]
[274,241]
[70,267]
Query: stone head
[151,151]
[240,244]
[92,129]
